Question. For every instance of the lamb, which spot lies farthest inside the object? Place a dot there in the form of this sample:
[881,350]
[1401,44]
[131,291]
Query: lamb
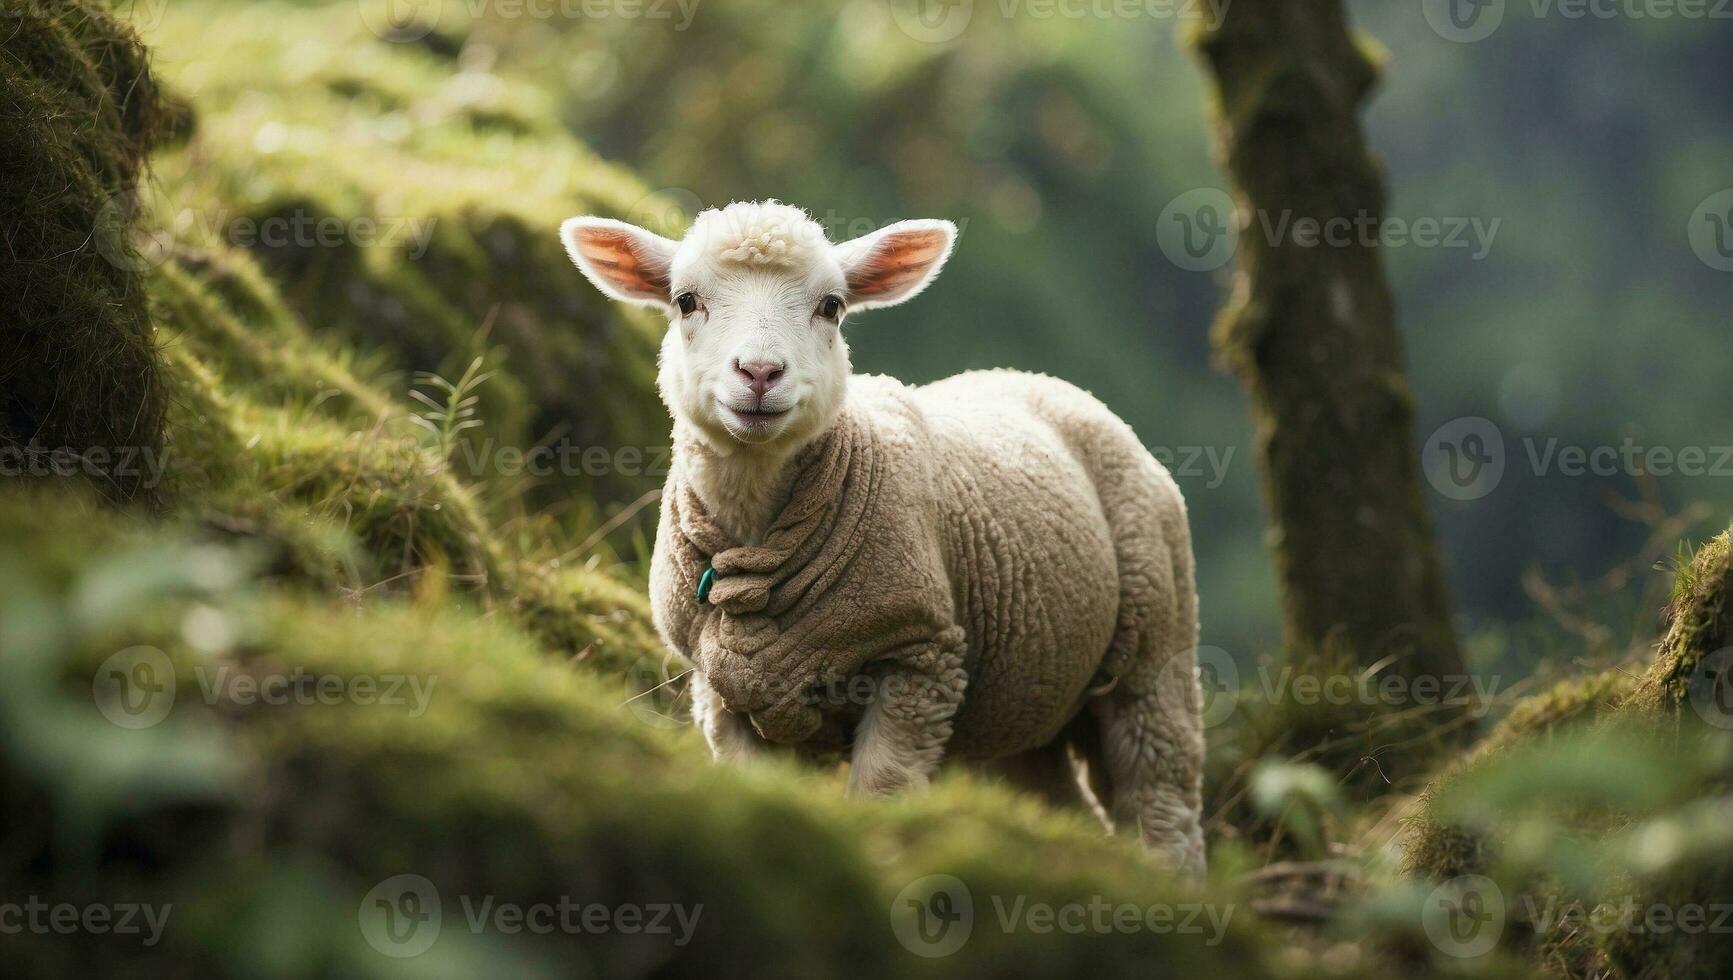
[989,568]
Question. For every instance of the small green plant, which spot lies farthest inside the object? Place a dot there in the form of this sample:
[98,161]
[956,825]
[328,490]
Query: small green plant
[455,411]
[1302,798]
[1684,571]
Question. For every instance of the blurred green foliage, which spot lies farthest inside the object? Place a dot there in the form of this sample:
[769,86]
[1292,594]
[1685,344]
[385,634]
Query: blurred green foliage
[1056,140]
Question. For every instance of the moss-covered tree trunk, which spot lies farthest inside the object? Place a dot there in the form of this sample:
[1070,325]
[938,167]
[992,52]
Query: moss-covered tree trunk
[1310,329]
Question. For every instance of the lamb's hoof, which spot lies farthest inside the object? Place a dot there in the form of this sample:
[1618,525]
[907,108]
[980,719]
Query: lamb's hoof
[738,758]
[1184,856]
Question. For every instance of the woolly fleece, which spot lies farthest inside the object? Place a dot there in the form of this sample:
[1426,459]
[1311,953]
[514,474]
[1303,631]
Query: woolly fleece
[996,551]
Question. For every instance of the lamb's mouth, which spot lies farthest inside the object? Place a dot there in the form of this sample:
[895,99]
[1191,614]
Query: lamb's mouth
[758,419]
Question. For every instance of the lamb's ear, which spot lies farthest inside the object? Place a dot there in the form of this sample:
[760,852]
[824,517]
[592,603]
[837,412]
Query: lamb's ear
[895,262]
[624,261]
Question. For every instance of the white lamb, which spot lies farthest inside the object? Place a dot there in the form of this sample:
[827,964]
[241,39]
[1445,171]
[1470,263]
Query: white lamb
[991,567]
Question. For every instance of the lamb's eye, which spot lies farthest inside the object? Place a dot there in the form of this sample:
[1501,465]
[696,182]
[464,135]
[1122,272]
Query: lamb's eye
[687,303]
[830,307]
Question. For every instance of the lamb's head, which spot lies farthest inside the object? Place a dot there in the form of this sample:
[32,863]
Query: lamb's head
[755,296]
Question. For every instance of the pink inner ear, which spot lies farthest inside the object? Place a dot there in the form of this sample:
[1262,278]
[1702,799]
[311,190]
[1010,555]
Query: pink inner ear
[898,262]
[613,255]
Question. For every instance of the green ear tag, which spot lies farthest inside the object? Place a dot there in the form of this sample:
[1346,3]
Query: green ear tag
[704,584]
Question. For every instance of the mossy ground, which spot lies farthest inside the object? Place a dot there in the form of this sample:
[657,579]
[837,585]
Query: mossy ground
[409,207]
[496,771]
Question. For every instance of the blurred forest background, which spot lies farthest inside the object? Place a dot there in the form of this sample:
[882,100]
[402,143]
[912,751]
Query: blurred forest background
[1059,141]
[1577,315]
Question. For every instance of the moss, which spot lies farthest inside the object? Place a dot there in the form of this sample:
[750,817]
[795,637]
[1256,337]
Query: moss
[1700,624]
[595,619]
[1441,848]
[1698,621]
[277,439]
[308,531]
[77,362]
[1627,708]
[513,776]
[271,432]
[1691,662]
[409,205]
[1580,700]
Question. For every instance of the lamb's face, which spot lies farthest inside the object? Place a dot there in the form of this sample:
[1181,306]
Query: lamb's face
[756,295]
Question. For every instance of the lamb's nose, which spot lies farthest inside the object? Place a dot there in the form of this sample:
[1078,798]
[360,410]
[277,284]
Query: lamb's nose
[760,376]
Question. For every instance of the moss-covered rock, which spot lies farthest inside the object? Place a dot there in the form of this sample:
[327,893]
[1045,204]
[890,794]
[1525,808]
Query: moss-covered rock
[78,372]
[1444,849]
[1699,637]
[1651,836]
[408,203]
[1687,693]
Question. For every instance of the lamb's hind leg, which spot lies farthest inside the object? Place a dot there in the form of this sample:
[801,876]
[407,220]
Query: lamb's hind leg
[1150,761]
[1147,770]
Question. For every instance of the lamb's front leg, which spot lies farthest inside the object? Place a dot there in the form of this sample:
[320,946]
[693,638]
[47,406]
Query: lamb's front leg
[903,734]
[731,737]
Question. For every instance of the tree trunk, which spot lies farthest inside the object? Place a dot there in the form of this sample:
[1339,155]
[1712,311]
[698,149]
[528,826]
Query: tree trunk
[1310,330]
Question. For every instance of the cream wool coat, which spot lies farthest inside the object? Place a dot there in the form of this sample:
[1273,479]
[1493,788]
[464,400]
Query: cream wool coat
[1000,542]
